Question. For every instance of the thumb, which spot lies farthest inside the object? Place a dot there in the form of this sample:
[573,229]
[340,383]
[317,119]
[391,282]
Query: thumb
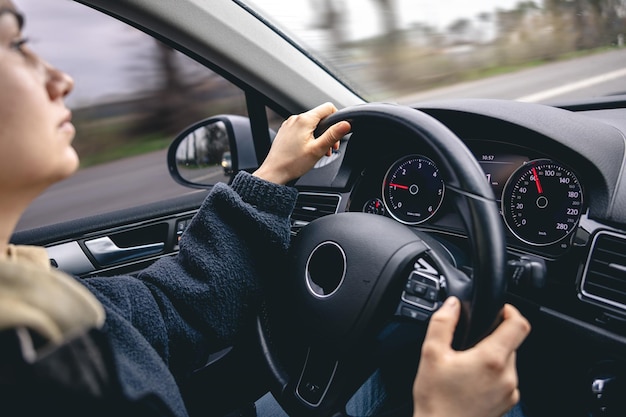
[443,323]
[330,138]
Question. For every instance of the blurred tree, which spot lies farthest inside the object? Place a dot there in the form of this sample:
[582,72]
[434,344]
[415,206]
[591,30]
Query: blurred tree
[460,30]
[384,50]
[485,27]
[169,106]
[330,17]
[388,13]
[204,146]
[607,18]
[588,23]
[388,50]
[418,57]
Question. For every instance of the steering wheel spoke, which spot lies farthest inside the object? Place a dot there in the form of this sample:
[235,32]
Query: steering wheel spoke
[323,382]
[317,377]
[326,382]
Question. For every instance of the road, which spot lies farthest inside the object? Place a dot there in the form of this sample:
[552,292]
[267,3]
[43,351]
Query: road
[104,188]
[146,179]
[590,76]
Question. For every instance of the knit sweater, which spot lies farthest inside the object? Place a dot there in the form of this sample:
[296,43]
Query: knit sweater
[163,323]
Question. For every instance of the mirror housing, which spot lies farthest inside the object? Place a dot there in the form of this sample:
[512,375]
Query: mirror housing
[212,150]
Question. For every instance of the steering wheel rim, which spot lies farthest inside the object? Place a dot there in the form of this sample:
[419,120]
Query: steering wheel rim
[482,300]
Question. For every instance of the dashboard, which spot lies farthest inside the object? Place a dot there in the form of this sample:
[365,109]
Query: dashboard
[556,176]
[541,199]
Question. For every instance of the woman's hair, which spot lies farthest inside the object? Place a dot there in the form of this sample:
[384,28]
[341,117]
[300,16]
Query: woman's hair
[6,6]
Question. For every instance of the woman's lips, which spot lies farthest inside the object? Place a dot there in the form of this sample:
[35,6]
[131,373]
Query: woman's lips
[66,124]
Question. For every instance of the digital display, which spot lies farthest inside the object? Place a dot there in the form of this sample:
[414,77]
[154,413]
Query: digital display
[498,167]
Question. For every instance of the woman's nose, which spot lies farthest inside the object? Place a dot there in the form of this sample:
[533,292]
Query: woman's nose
[59,83]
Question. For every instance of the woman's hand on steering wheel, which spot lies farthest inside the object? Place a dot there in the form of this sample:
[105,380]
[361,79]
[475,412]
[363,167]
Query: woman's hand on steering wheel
[478,382]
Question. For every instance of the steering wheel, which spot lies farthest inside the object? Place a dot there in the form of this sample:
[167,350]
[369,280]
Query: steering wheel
[350,273]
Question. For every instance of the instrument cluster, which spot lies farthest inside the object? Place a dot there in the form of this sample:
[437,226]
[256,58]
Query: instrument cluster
[541,200]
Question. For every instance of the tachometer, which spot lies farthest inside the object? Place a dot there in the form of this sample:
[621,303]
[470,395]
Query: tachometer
[413,189]
[542,202]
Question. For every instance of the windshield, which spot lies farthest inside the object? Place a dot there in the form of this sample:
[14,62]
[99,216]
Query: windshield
[413,50]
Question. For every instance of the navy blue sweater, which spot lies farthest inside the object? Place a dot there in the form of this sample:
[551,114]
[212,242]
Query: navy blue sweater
[163,323]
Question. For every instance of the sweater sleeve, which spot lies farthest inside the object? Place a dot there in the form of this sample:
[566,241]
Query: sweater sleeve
[175,312]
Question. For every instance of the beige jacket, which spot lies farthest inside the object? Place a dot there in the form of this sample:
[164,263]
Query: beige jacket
[44,300]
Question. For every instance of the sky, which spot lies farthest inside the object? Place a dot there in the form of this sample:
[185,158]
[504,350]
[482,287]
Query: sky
[59,28]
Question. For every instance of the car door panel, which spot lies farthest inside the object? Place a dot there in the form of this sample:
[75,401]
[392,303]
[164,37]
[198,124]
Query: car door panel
[130,239]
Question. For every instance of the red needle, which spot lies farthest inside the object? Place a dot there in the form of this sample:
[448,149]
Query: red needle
[539,187]
[404,187]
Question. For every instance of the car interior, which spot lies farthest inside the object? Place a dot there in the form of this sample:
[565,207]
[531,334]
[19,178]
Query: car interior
[546,230]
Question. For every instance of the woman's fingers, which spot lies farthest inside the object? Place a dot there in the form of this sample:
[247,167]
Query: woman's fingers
[329,140]
[510,334]
[442,324]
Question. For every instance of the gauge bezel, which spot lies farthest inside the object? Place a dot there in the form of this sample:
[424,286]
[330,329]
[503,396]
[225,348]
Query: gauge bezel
[391,210]
[371,200]
[506,199]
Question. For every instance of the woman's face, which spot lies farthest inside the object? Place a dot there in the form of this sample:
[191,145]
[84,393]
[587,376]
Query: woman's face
[35,126]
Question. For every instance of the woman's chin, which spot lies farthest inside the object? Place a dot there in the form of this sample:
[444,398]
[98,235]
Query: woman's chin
[70,165]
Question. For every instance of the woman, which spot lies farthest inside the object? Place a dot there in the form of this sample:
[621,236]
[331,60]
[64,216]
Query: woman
[103,345]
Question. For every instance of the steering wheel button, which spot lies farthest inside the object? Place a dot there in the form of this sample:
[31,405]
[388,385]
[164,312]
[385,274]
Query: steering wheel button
[414,314]
[432,295]
[420,289]
[410,298]
[421,278]
[424,278]
[419,301]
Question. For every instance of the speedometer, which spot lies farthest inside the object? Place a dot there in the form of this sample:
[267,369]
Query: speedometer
[542,202]
[413,189]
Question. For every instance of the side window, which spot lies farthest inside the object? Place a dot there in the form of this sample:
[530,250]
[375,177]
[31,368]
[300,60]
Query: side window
[132,95]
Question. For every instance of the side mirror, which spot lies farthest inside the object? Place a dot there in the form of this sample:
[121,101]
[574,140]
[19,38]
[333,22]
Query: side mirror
[212,150]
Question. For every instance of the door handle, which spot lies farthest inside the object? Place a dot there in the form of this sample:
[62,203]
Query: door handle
[106,252]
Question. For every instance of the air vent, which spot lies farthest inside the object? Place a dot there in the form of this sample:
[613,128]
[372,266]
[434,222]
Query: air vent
[604,278]
[311,206]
